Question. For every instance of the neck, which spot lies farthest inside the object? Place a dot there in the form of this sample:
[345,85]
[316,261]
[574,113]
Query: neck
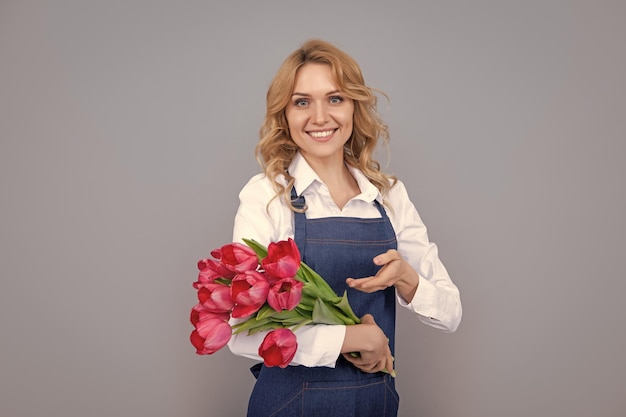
[335,174]
[332,170]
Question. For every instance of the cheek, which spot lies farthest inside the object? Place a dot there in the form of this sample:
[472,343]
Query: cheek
[295,120]
[348,115]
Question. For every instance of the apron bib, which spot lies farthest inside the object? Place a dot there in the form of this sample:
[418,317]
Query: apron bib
[336,248]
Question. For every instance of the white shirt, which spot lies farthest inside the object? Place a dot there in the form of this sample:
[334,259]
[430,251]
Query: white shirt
[436,302]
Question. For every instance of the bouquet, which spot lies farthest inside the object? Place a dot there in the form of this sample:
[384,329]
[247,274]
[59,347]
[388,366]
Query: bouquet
[265,289]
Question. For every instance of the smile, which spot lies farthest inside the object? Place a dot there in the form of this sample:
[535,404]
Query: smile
[322,134]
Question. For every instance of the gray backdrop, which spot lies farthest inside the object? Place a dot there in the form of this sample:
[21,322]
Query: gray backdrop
[128,127]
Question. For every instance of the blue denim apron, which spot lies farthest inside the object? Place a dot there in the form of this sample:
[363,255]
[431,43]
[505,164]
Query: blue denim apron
[337,248]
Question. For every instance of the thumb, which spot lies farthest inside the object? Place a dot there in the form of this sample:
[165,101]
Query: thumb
[367,319]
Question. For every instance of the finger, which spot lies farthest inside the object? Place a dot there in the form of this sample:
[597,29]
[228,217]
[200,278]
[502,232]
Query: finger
[374,367]
[366,369]
[358,284]
[359,362]
[385,277]
[369,367]
[389,363]
[368,284]
[389,256]
[368,319]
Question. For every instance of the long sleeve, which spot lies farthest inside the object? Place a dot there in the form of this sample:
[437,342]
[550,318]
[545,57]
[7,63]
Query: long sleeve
[437,301]
[266,219]
[318,345]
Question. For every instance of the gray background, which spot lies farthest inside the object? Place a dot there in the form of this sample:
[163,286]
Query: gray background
[128,127]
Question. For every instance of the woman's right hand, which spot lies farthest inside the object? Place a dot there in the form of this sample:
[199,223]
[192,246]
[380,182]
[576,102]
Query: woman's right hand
[371,344]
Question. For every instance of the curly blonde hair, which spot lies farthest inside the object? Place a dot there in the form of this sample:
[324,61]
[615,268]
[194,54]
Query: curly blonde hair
[276,149]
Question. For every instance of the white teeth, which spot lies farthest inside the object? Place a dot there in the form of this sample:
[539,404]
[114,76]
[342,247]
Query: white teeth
[321,134]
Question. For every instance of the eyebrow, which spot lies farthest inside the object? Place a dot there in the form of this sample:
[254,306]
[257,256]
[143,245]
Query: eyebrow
[295,93]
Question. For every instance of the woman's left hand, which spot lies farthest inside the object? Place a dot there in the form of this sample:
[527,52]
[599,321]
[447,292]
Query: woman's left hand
[395,271]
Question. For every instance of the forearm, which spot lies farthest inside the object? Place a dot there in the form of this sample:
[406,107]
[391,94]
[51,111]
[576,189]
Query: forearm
[318,345]
[409,279]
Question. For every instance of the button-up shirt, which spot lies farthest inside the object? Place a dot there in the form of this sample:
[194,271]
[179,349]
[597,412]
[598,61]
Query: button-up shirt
[267,219]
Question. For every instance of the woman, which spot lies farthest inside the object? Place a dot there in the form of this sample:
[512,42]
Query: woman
[353,224]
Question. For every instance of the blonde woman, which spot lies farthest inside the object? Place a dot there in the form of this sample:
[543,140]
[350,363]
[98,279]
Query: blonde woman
[353,224]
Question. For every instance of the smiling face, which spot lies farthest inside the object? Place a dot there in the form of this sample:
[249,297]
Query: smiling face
[319,115]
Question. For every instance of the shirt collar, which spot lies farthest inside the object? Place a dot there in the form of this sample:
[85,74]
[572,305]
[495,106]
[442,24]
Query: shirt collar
[303,173]
[304,176]
[369,192]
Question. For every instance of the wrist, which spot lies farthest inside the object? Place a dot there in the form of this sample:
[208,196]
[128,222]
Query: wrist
[360,338]
[408,282]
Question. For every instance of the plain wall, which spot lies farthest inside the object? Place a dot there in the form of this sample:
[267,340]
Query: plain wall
[127,129]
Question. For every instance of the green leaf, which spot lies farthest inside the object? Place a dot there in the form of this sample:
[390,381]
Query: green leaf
[301,274]
[285,314]
[293,321]
[323,314]
[344,306]
[249,324]
[311,292]
[264,312]
[269,326]
[316,279]
[304,323]
[305,307]
[223,281]
[260,250]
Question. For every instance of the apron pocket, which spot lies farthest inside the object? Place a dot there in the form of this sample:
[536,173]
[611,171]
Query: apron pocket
[364,398]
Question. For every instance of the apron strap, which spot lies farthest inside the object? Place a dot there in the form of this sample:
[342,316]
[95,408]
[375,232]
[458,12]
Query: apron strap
[299,220]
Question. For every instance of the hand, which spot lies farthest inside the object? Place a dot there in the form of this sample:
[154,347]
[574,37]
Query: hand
[387,276]
[371,345]
[395,271]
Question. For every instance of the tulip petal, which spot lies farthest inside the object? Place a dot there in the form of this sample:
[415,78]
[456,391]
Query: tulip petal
[285,294]
[278,348]
[249,293]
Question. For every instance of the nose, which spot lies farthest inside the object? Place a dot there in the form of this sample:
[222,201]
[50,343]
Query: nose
[320,116]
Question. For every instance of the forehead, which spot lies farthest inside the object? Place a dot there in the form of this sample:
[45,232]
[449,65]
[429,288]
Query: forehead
[313,77]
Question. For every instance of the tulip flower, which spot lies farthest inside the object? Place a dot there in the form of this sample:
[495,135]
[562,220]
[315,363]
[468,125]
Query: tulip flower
[200,313]
[210,270]
[285,294]
[237,257]
[278,348]
[249,292]
[212,331]
[215,298]
[282,260]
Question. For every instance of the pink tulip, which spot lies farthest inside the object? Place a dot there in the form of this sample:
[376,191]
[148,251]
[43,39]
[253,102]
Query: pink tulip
[285,294]
[237,257]
[211,270]
[200,313]
[249,293]
[212,331]
[215,298]
[278,348]
[282,260]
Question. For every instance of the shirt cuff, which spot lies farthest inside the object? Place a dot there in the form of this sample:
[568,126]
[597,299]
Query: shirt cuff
[423,301]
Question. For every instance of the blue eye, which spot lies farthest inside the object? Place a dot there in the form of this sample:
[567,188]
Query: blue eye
[301,102]
[335,99]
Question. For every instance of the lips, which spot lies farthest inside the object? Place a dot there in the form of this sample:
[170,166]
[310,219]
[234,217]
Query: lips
[321,135]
